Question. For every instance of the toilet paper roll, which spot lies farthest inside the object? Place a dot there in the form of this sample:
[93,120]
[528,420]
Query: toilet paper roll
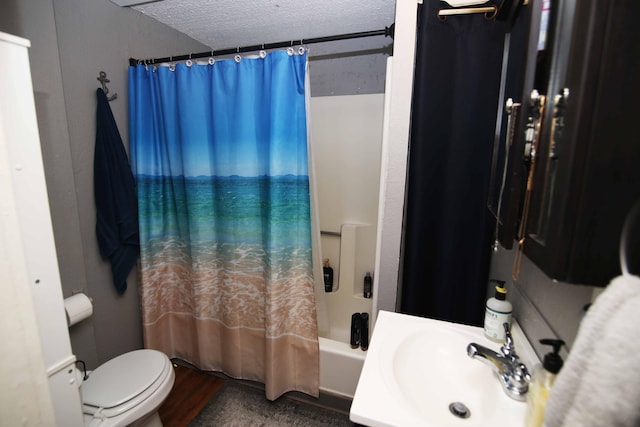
[78,307]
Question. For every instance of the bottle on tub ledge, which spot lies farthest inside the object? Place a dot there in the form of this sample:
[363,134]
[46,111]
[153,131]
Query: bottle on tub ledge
[364,331]
[360,331]
[368,285]
[356,330]
[327,273]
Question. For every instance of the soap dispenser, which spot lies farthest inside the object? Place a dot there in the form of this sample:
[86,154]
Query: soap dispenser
[498,312]
[541,382]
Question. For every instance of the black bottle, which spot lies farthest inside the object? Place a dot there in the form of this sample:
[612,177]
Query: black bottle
[356,325]
[368,284]
[364,331]
[328,276]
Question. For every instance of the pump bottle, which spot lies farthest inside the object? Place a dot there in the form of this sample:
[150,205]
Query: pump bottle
[541,382]
[498,312]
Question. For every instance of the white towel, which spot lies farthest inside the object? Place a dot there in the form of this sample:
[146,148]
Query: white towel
[599,384]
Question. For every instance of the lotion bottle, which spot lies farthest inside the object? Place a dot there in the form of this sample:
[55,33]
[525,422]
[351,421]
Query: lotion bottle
[498,312]
[541,382]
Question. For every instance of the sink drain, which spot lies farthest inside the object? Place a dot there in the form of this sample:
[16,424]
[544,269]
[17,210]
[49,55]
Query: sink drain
[460,410]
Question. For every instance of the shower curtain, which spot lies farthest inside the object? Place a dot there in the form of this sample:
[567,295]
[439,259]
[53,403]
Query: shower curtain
[219,152]
[447,232]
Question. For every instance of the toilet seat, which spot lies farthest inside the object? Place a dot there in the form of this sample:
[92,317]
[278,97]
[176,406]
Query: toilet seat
[125,383]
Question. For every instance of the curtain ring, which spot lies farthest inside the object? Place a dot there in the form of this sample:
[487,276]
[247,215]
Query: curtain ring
[189,62]
[238,58]
[172,66]
[289,51]
[212,59]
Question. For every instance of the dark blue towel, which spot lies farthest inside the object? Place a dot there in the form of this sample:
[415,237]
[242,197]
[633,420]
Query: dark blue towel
[115,195]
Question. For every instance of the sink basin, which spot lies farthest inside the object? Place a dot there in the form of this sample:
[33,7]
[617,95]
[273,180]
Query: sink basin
[417,368]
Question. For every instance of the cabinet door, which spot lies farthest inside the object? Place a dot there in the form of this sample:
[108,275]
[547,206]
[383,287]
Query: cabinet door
[506,169]
[529,52]
[587,172]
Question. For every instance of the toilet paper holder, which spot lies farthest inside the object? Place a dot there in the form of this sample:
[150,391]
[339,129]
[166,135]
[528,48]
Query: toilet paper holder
[77,307]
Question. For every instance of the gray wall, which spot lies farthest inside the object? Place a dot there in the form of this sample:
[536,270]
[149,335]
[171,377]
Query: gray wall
[34,20]
[72,41]
[96,36]
[349,67]
[544,308]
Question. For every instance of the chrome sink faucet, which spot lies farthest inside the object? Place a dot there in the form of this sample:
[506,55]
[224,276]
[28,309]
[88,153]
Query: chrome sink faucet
[513,374]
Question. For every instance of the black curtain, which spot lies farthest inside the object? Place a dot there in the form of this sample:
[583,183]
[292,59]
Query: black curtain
[448,231]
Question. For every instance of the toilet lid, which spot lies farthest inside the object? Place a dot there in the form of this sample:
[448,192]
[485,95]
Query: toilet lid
[123,378]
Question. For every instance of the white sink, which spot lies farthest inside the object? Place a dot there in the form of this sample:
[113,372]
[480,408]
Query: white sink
[416,368]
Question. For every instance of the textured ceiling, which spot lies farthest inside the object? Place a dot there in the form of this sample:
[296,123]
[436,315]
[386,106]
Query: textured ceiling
[223,24]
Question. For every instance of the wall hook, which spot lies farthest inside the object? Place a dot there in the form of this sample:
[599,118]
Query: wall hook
[102,78]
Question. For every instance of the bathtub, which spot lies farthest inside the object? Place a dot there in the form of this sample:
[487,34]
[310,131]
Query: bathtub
[353,252]
[340,367]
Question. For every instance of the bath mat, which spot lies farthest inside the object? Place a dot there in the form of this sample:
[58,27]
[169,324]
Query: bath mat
[239,405]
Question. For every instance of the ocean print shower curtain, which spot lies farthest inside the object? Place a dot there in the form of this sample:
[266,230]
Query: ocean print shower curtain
[219,153]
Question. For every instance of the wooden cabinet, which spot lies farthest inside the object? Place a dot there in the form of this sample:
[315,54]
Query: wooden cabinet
[573,169]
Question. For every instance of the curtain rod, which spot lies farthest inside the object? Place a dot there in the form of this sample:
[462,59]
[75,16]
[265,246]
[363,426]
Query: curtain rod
[387,32]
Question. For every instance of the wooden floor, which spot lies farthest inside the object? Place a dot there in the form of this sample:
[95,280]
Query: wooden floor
[191,392]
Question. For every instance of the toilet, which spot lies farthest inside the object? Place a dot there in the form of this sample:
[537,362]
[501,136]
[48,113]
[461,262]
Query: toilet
[127,390]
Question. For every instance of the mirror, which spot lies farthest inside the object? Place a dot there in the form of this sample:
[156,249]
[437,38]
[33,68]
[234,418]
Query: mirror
[530,47]
[551,69]
[509,167]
